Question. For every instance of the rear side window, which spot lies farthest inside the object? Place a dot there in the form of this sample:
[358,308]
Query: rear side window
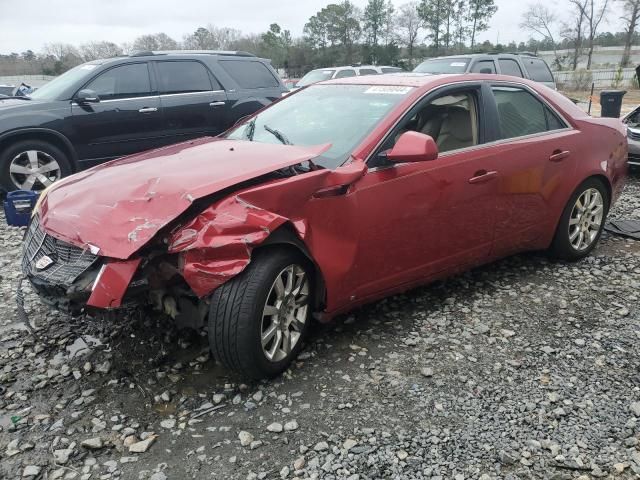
[538,70]
[345,74]
[520,113]
[510,67]
[182,77]
[368,71]
[249,74]
[125,81]
[391,69]
[484,66]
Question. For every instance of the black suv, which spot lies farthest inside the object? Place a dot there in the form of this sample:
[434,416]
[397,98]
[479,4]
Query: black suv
[110,108]
[523,65]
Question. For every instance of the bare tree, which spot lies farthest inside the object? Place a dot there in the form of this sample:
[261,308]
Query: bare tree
[156,41]
[409,24]
[95,50]
[593,12]
[630,17]
[573,31]
[540,20]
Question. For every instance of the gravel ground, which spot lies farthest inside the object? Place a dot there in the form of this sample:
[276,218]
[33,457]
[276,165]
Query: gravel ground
[521,369]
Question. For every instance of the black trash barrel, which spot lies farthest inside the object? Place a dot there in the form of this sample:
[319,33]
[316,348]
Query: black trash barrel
[611,103]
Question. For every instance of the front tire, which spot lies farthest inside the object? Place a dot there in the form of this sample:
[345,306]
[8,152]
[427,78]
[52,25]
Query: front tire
[582,221]
[259,319]
[32,165]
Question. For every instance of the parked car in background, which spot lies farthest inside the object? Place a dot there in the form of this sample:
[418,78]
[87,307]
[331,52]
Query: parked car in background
[106,109]
[322,74]
[341,194]
[523,65]
[632,121]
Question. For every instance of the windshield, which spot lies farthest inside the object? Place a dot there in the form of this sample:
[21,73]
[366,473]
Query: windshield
[340,115]
[315,76]
[56,87]
[438,66]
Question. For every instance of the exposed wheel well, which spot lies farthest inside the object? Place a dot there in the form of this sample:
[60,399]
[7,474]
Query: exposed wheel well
[285,237]
[51,138]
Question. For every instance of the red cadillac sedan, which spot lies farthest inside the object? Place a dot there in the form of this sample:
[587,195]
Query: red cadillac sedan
[337,195]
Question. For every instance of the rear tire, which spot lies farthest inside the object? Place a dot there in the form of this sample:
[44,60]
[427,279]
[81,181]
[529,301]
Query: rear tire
[32,165]
[582,221]
[253,314]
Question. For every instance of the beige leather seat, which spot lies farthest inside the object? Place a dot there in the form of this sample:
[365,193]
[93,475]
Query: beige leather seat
[456,131]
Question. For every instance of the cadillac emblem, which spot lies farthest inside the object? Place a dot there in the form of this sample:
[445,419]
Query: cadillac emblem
[44,262]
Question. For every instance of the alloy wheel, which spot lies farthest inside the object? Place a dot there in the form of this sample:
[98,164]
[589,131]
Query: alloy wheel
[285,313]
[586,219]
[34,170]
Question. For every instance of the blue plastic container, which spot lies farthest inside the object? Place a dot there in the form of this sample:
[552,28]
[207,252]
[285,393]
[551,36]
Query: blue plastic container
[18,207]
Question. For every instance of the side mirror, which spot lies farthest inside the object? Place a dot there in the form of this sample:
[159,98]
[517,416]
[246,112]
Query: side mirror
[86,96]
[413,147]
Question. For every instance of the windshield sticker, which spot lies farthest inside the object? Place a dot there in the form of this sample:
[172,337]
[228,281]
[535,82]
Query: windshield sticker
[389,90]
[88,67]
[458,64]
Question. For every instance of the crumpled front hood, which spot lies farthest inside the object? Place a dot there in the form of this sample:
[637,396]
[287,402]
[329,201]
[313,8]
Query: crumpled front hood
[119,206]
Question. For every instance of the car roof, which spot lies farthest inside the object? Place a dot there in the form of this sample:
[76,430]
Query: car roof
[426,80]
[490,54]
[181,54]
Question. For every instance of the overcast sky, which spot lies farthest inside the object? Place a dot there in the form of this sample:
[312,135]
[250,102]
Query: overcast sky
[31,24]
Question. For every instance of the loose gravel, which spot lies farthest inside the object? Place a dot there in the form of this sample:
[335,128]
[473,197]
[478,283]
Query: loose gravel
[522,369]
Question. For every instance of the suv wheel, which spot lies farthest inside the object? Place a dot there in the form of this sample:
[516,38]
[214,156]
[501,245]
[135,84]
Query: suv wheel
[32,165]
[258,320]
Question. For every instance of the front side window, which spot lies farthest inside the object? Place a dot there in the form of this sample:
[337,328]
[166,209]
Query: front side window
[345,73]
[368,71]
[182,77]
[451,120]
[54,89]
[249,73]
[520,113]
[339,115]
[484,66]
[125,81]
[391,70]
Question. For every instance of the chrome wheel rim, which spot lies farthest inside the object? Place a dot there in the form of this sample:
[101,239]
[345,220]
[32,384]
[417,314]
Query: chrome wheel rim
[34,170]
[285,313]
[586,219]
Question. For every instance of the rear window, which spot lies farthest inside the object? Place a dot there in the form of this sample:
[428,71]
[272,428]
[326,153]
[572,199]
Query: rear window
[182,77]
[538,69]
[510,67]
[443,65]
[249,74]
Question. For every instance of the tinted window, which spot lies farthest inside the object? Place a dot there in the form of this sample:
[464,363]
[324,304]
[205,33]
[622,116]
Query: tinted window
[553,122]
[391,69]
[250,74]
[345,73]
[519,112]
[443,65]
[510,67]
[538,70]
[484,66]
[181,77]
[126,81]
[367,71]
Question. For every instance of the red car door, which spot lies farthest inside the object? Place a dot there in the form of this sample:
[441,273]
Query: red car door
[419,219]
[535,152]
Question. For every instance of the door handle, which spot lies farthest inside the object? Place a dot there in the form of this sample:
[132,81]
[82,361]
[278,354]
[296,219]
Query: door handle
[482,176]
[148,110]
[559,155]
[217,104]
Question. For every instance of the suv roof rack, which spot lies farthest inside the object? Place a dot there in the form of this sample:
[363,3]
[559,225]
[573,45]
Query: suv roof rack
[235,53]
